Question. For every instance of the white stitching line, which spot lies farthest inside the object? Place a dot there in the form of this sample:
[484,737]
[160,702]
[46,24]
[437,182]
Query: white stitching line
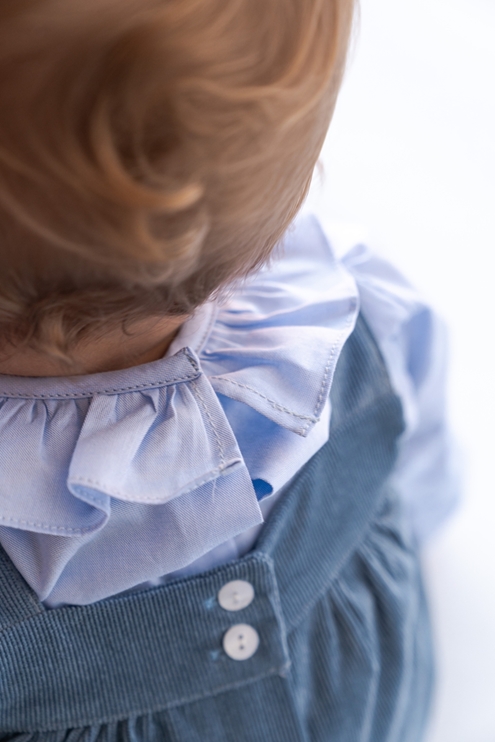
[195,366]
[46,526]
[115,493]
[215,432]
[81,394]
[320,400]
[333,352]
[259,394]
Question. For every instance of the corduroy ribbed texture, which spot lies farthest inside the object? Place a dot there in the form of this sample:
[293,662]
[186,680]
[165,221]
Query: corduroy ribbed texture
[344,651]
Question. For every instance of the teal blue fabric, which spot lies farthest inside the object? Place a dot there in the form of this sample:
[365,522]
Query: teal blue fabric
[344,652]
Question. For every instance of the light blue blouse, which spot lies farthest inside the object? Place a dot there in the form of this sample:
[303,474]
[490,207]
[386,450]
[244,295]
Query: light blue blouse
[120,480]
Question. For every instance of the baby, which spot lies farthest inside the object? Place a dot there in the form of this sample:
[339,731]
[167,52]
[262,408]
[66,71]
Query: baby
[214,467]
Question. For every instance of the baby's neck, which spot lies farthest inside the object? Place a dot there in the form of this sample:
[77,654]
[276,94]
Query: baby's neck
[146,341]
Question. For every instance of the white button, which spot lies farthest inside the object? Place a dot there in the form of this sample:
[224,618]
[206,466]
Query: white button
[236,595]
[241,641]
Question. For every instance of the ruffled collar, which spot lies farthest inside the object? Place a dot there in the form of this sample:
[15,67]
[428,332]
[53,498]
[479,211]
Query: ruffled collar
[114,479]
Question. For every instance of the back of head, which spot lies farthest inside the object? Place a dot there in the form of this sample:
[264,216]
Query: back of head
[152,151]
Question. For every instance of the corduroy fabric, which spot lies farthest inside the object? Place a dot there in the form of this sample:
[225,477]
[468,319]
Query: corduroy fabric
[344,651]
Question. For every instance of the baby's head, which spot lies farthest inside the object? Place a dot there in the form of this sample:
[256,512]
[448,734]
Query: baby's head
[151,152]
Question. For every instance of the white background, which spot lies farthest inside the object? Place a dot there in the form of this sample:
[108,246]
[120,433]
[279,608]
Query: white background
[411,155]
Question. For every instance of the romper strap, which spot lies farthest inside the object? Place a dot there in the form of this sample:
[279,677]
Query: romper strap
[17,601]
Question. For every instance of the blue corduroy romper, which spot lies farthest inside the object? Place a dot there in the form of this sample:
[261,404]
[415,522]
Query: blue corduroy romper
[344,652]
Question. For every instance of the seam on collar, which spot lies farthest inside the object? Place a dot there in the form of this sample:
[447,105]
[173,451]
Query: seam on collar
[46,526]
[213,474]
[337,345]
[112,390]
[277,406]
[212,425]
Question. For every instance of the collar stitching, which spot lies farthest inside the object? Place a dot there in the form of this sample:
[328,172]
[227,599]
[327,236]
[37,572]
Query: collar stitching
[212,424]
[47,526]
[111,390]
[333,352]
[277,406]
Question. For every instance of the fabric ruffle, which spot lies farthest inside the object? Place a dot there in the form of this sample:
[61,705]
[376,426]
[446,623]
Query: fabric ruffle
[111,480]
[413,340]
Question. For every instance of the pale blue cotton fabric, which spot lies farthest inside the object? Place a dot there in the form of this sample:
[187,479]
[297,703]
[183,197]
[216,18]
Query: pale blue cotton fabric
[125,479]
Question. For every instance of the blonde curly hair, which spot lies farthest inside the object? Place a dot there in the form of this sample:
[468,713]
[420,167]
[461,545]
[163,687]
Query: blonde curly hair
[152,151]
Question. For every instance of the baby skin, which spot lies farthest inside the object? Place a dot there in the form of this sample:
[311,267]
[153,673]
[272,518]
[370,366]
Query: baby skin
[145,341]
